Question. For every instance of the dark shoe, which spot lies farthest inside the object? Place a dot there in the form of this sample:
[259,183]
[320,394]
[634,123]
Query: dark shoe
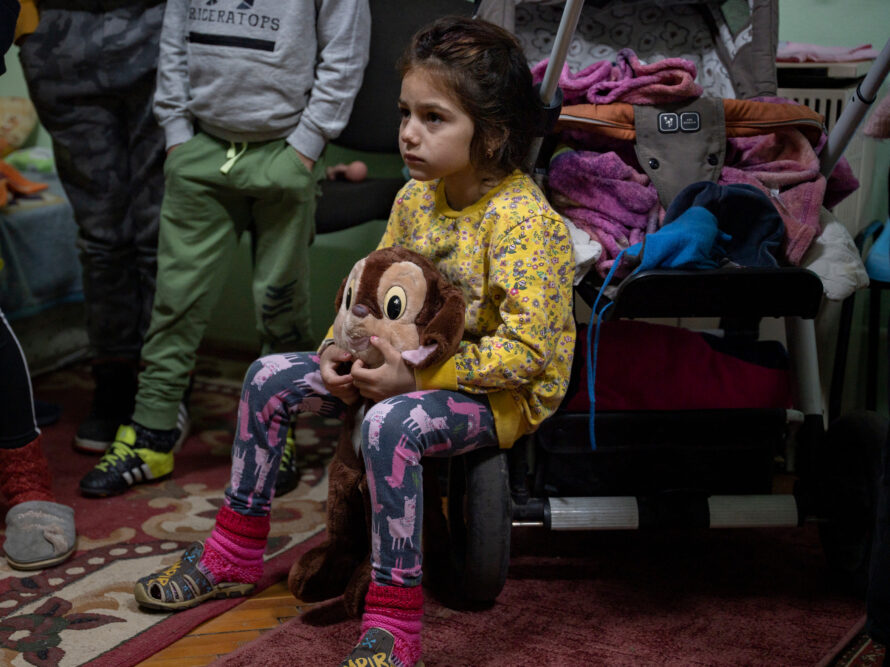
[374,648]
[113,401]
[183,585]
[46,414]
[126,463]
[288,470]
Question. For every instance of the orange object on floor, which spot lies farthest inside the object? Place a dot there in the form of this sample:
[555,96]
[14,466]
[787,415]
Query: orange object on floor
[16,182]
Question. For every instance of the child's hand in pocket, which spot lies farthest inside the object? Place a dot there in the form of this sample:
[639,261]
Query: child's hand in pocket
[309,164]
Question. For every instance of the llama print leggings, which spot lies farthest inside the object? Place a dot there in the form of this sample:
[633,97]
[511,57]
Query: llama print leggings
[396,433]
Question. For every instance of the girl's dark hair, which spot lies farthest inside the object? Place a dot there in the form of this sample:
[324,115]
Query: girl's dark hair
[485,68]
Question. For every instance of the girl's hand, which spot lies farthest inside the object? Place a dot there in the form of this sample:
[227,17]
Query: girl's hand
[394,377]
[338,384]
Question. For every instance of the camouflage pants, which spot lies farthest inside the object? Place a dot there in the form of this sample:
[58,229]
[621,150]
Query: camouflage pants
[90,68]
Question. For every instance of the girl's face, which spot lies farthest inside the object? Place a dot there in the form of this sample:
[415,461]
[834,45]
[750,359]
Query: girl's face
[435,132]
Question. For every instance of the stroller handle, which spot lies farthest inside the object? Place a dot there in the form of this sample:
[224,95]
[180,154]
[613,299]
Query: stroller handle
[853,113]
[567,25]
[548,88]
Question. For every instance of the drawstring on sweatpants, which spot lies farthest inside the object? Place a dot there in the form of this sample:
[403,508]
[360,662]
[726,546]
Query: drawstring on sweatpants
[232,157]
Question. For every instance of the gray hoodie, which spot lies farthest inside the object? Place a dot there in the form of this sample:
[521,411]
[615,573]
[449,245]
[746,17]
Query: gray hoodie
[254,70]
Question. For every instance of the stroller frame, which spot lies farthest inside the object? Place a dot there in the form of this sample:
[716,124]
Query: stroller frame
[489,492]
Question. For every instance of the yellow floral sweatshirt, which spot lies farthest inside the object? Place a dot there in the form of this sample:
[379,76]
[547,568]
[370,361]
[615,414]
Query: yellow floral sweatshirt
[511,255]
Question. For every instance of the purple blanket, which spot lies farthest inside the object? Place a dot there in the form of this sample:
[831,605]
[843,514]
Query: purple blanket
[627,80]
[607,194]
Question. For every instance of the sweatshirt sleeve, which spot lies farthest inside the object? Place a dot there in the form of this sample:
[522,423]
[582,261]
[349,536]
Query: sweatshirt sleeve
[528,271]
[344,36]
[172,93]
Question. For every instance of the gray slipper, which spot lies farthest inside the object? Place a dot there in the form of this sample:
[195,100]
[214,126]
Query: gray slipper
[39,534]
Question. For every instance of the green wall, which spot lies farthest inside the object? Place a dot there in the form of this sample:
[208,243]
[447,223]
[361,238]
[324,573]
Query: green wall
[845,23]
[851,23]
[835,22]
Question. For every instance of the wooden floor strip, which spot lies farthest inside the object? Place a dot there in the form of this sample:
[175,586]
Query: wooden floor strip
[227,632]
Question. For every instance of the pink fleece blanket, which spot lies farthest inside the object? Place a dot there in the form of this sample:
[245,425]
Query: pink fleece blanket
[606,197]
[606,193]
[627,80]
[799,52]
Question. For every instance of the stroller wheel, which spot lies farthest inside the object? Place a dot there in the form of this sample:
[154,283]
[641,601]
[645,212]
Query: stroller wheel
[479,524]
[850,482]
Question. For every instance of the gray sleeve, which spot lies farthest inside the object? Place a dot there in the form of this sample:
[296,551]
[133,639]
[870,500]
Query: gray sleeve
[344,35]
[172,93]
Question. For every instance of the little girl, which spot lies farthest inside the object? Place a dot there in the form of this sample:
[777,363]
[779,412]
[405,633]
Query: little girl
[468,114]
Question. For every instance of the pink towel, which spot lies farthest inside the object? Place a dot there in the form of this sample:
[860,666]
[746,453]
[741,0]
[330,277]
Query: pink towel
[603,190]
[628,80]
[602,194]
[878,125]
[798,52]
[784,166]
[668,80]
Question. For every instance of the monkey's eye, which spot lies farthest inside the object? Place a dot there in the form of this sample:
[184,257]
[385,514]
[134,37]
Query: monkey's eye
[347,296]
[394,302]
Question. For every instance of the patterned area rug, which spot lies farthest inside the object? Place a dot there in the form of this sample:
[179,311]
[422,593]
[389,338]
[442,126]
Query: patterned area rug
[83,611]
[862,651]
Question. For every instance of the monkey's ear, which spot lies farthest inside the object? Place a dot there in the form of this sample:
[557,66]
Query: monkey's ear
[446,328]
[354,276]
[339,300]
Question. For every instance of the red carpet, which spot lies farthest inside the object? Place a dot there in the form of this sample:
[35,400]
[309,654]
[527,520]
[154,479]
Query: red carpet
[83,611]
[682,598]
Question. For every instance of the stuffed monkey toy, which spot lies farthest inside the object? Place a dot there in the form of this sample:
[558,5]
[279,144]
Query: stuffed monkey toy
[400,296]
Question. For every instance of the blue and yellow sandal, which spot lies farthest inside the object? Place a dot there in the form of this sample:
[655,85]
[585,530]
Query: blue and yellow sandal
[183,586]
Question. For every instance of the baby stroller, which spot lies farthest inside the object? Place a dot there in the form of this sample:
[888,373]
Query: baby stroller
[709,465]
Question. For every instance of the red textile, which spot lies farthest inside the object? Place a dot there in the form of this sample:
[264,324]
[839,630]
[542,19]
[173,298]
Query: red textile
[24,475]
[721,598]
[645,366]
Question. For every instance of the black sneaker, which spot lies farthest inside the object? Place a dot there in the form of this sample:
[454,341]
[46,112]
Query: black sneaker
[288,470]
[374,648]
[127,462]
[113,401]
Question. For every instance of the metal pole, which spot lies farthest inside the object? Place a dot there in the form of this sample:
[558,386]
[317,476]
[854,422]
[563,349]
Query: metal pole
[567,24]
[564,33]
[854,112]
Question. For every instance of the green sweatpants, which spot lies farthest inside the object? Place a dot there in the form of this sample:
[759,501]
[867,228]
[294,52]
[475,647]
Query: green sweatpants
[213,193]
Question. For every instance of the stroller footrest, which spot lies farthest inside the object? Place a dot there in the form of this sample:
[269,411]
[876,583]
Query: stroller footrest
[771,511]
[598,513]
[631,513]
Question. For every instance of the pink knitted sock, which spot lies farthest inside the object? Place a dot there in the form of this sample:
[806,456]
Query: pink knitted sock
[399,611]
[234,550]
